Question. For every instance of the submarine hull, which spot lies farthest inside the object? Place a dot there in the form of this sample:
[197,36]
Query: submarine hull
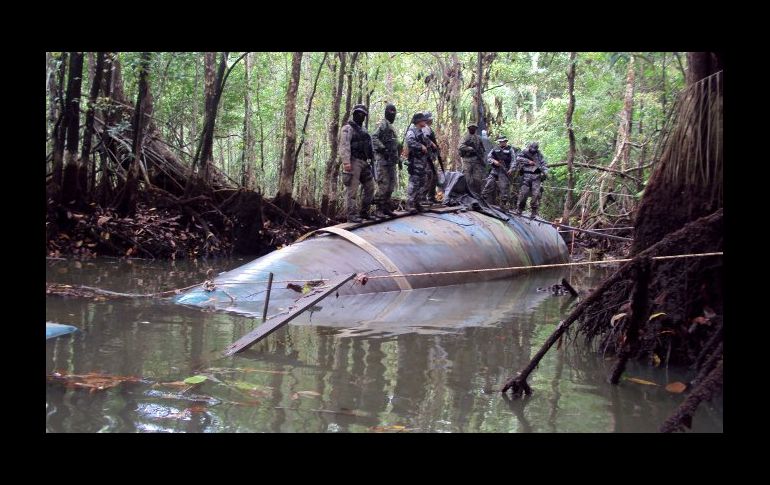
[432,242]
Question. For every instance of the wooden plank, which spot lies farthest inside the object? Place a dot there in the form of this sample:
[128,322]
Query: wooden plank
[273,324]
[443,209]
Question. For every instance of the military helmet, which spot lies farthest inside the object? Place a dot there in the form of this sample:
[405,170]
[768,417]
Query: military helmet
[534,145]
[472,125]
[360,107]
[419,116]
[428,115]
[501,138]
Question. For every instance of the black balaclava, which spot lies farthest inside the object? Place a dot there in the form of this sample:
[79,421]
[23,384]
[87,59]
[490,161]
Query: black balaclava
[390,113]
[533,147]
[359,117]
[472,130]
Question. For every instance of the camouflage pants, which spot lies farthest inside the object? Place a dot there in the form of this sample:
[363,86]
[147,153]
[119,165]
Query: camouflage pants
[432,179]
[360,174]
[474,173]
[418,183]
[530,185]
[503,186]
[386,183]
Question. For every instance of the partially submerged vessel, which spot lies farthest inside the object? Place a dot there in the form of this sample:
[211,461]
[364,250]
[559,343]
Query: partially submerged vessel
[464,241]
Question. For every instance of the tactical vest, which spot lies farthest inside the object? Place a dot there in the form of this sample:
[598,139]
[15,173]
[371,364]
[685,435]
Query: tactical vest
[472,144]
[504,156]
[388,138]
[360,143]
[420,137]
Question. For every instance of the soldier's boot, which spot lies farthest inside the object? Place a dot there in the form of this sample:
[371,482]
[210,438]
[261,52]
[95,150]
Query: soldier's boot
[379,214]
[365,214]
[533,212]
[411,208]
[387,210]
[354,219]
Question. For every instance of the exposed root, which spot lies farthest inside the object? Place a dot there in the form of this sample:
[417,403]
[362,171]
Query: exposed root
[704,391]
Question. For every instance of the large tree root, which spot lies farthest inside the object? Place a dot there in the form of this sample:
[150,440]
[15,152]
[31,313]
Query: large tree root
[518,384]
[639,312]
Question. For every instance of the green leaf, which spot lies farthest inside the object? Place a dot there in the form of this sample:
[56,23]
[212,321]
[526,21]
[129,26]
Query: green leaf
[195,379]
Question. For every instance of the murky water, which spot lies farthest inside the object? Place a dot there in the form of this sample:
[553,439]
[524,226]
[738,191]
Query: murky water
[423,361]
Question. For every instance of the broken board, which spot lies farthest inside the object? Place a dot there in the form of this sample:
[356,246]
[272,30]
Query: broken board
[273,324]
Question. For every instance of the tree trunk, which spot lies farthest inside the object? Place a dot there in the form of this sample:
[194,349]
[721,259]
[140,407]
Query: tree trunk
[128,201]
[247,167]
[70,183]
[105,187]
[85,154]
[687,181]
[53,102]
[60,129]
[286,184]
[310,96]
[328,199]
[478,99]
[91,67]
[568,202]
[455,83]
[261,132]
[349,94]
[622,144]
[642,150]
[207,150]
[195,110]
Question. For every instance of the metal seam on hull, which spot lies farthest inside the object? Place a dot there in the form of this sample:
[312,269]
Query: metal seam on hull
[370,249]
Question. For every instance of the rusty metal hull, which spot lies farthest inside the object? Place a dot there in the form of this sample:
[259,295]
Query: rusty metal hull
[422,243]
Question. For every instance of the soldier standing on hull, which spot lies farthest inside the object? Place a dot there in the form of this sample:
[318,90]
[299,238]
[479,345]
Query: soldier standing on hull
[355,152]
[472,154]
[386,158]
[432,174]
[501,161]
[534,170]
[418,162]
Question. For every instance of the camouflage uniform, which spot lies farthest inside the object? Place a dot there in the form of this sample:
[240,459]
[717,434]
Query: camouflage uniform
[499,175]
[472,154]
[356,149]
[418,167]
[386,158]
[533,168]
[431,174]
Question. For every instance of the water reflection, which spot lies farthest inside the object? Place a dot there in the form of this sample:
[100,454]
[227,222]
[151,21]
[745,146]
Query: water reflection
[430,360]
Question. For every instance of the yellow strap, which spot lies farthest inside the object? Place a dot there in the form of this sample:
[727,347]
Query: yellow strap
[378,255]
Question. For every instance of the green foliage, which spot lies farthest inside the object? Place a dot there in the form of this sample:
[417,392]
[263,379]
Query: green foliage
[526,94]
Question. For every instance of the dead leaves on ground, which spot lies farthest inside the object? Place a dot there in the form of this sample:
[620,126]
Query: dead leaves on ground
[676,387]
[640,381]
[673,387]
